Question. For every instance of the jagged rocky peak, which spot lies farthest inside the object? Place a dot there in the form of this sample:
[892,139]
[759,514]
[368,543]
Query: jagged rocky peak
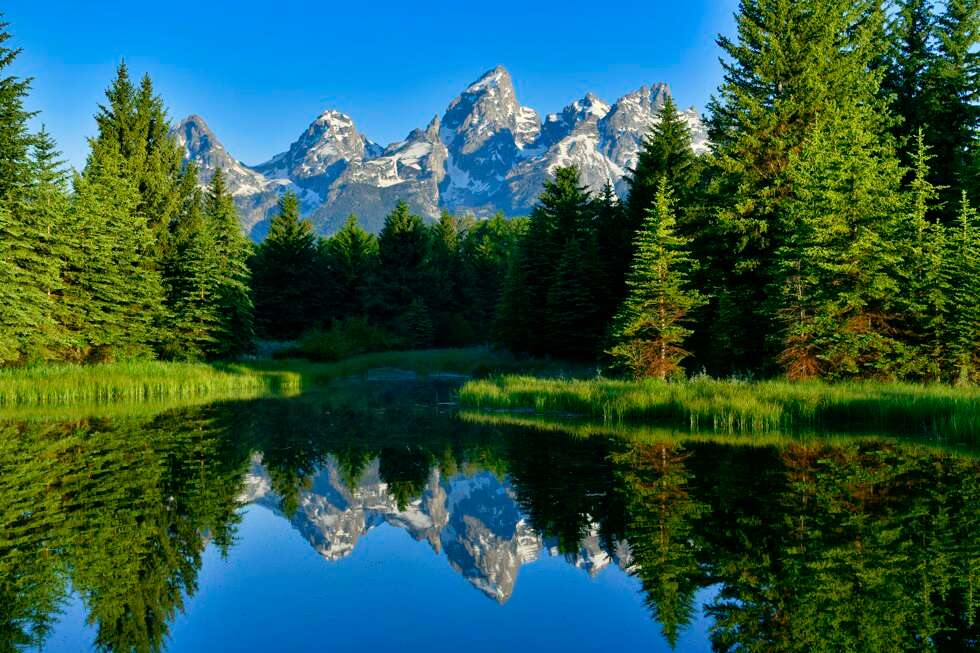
[559,125]
[485,153]
[322,150]
[486,107]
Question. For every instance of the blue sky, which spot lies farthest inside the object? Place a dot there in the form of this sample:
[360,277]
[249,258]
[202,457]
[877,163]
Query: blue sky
[260,72]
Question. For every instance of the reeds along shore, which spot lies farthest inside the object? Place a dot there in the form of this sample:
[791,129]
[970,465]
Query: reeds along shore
[729,406]
[60,385]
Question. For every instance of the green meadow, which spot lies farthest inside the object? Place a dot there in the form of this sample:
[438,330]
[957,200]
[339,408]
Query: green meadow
[730,406]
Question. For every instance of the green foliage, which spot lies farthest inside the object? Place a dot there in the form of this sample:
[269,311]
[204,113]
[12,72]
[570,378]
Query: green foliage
[793,62]
[838,262]
[350,259]
[649,329]
[708,405]
[548,308]
[284,273]
[963,316]
[350,337]
[666,156]
[113,291]
[953,113]
[416,325]
[403,248]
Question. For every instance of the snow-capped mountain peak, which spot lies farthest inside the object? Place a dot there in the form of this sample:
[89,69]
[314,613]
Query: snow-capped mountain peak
[485,153]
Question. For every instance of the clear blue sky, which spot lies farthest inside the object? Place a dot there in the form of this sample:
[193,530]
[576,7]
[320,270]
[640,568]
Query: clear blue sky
[260,72]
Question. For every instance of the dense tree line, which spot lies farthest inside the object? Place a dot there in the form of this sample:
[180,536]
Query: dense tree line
[127,258]
[829,232]
[424,284]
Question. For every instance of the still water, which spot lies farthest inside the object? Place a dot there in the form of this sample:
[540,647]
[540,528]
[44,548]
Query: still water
[373,517]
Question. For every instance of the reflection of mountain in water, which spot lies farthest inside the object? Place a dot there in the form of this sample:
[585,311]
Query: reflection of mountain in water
[474,519]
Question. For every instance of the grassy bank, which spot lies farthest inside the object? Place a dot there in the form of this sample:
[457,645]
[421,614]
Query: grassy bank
[717,406]
[155,381]
[63,385]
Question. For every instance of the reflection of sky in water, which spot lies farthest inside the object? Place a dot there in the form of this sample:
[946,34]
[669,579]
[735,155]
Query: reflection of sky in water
[274,592]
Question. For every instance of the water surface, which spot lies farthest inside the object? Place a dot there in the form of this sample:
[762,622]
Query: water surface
[373,517]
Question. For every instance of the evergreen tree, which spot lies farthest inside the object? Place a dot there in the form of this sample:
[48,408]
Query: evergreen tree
[839,258]
[924,282]
[14,136]
[565,211]
[649,331]
[416,325]
[964,307]
[402,253]
[486,252]
[350,259]
[574,327]
[25,308]
[666,154]
[36,242]
[909,64]
[792,61]
[136,120]
[111,294]
[284,273]
[444,268]
[614,240]
[953,112]
[195,278]
[233,295]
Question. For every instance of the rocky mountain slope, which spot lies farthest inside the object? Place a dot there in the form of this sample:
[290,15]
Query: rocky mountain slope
[474,521]
[486,153]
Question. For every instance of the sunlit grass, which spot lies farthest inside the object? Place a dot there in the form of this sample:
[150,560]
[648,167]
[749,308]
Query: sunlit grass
[140,381]
[729,406]
[156,381]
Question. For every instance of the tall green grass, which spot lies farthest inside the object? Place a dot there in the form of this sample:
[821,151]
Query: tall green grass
[728,406]
[155,381]
[142,381]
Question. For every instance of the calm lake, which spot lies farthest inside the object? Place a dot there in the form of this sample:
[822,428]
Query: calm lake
[371,516]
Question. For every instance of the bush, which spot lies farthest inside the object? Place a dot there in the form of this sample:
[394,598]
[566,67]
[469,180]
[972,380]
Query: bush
[343,339]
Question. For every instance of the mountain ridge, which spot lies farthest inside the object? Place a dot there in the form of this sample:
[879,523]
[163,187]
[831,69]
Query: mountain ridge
[485,153]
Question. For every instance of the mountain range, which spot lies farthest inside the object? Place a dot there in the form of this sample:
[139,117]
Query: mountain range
[486,153]
[474,520]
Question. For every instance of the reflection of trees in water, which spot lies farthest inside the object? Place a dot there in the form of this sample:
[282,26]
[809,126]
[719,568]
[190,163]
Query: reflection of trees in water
[812,546]
[120,507]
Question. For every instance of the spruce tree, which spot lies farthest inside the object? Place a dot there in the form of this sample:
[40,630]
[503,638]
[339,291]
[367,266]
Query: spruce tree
[924,283]
[25,308]
[403,248]
[792,61]
[573,327]
[15,138]
[195,326]
[565,211]
[35,242]
[952,111]
[284,274]
[964,307]
[666,154]
[350,258]
[233,278]
[838,262]
[111,294]
[909,64]
[650,328]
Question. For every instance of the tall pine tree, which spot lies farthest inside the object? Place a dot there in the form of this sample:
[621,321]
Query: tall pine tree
[284,274]
[838,261]
[236,324]
[650,329]
[964,308]
[792,61]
